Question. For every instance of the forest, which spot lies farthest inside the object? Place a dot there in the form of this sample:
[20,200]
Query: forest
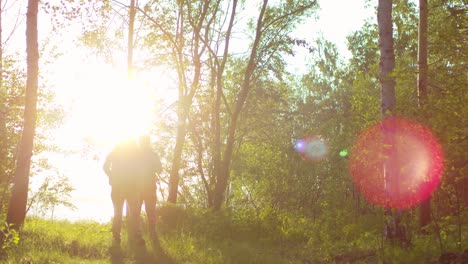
[343,159]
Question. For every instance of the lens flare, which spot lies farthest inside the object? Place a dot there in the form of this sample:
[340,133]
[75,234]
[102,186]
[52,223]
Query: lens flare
[343,153]
[312,148]
[397,163]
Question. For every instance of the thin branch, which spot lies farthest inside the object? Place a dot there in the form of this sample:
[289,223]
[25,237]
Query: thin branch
[198,142]
[18,21]
[292,13]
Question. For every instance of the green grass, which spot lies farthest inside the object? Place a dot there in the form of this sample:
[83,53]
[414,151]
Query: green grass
[184,236]
[201,236]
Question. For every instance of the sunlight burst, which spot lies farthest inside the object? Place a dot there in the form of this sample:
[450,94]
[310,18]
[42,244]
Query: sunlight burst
[108,106]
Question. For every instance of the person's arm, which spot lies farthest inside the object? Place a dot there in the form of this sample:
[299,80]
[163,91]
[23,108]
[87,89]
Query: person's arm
[157,164]
[107,166]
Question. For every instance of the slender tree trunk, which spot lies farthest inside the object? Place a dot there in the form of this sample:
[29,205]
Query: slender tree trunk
[393,229]
[3,176]
[216,128]
[217,161]
[2,110]
[223,174]
[425,207]
[387,57]
[1,58]
[422,52]
[176,160]
[4,179]
[131,23]
[181,117]
[19,196]
[186,92]
[181,113]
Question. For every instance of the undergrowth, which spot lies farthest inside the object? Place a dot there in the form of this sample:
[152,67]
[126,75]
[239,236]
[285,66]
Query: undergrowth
[201,236]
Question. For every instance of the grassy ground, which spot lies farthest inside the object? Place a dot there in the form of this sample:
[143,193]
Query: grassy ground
[183,237]
[190,236]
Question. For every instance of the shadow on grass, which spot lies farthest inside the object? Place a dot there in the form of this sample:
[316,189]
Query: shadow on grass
[139,253]
[116,254]
[161,256]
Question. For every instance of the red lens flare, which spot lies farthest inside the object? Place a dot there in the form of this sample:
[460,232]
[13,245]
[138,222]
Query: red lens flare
[396,163]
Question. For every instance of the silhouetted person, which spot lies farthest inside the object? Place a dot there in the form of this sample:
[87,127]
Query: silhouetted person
[122,166]
[151,166]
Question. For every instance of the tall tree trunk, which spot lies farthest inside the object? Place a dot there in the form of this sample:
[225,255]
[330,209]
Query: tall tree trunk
[425,207]
[19,195]
[186,91]
[3,140]
[2,113]
[1,60]
[131,30]
[181,113]
[422,52]
[131,23]
[387,64]
[387,57]
[216,147]
[223,174]
[177,158]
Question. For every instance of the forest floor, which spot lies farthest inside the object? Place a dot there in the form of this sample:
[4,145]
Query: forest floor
[188,237]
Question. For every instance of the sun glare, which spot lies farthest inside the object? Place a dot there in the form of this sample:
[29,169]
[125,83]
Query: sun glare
[114,109]
[103,106]
[107,106]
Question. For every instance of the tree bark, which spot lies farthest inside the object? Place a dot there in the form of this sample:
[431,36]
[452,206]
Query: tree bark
[176,160]
[181,116]
[186,91]
[422,52]
[224,170]
[387,64]
[4,179]
[2,115]
[216,146]
[131,23]
[17,207]
[425,207]
[387,57]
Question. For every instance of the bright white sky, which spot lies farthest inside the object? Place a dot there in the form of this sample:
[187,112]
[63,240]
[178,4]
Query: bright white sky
[82,84]
[338,18]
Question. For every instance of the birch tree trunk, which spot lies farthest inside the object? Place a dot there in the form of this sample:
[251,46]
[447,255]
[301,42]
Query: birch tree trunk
[17,206]
[393,229]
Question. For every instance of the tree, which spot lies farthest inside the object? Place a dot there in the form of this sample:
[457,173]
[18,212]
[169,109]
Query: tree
[194,43]
[3,146]
[131,23]
[224,169]
[271,29]
[387,57]
[10,81]
[54,191]
[425,208]
[200,25]
[388,100]
[19,196]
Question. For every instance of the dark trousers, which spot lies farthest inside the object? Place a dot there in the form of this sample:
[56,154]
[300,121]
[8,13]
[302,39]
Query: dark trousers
[119,195]
[148,196]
